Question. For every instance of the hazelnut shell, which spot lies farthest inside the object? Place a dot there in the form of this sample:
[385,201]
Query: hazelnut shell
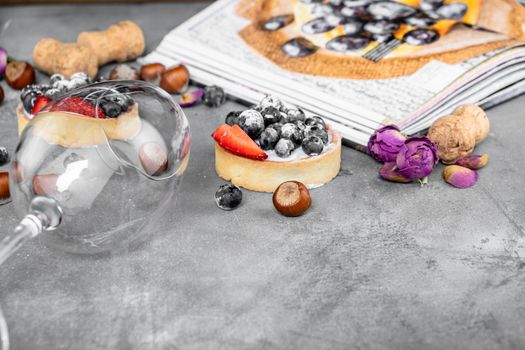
[292,198]
[4,185]
[123,72]
[1,95]
[175,80]
[19,74]
[152,71]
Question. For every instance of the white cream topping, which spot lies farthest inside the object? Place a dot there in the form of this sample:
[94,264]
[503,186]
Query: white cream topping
[298,153]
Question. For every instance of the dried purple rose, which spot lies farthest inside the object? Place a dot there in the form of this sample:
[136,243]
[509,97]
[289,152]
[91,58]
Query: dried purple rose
[417,157]
[385,143]
[459,176]
[3,60]
[390,172]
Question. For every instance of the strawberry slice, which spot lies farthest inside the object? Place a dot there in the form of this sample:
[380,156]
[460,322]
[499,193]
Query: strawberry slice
[41,102]
[235,140]
[75,104]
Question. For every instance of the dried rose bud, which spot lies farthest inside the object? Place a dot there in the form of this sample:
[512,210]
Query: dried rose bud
[473,161]
[191,98]
[389,172]
[417,157]
[459,176]
[385,143]
[3,60]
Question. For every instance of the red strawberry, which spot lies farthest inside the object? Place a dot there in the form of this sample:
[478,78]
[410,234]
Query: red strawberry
[41,102]
[75,104]
[235,140]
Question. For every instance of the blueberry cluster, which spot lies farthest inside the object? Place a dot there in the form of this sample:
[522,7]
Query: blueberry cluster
[363,21]
[273,126]
[58,84]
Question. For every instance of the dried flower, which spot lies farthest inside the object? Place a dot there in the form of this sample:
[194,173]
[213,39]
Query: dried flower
[385,143]
[416,157]
[390,172]
[459,176]
[473,161]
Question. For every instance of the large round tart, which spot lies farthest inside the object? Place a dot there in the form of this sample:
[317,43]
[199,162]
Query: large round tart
[267,175]
[74,130]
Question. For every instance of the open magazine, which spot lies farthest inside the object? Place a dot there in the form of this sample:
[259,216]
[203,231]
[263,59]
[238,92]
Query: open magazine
[211,46]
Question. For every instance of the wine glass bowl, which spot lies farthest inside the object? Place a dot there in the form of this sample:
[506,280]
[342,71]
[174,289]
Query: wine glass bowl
[110,154]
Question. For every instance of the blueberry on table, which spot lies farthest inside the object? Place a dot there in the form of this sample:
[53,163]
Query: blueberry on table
[312,145]
[214,96]
[284,148]
[252,122]
[228,197]
[4,156]
[232,118]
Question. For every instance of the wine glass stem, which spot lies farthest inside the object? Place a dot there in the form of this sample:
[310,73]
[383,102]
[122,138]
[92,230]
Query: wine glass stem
[29,227]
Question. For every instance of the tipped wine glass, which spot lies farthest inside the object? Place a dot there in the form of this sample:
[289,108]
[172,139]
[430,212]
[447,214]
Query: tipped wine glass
[96,165]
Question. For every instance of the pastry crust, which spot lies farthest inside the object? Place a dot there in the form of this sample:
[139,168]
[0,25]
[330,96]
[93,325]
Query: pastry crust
[74,130]
[266,176]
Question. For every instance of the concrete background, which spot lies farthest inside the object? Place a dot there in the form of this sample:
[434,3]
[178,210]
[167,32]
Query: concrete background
[372,265]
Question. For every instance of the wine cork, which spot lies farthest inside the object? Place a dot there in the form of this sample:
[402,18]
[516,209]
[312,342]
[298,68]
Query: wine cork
[53,56]
[120,42]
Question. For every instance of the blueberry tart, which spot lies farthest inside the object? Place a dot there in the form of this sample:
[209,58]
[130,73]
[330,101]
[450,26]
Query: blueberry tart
[258,151]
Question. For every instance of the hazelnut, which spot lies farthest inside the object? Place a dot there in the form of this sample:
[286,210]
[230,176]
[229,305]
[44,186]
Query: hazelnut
[124,72]
[45,185]
[1,94]
[4,186]
[152,72]
[175,80]
[292,198]
[19,74]
[153,158]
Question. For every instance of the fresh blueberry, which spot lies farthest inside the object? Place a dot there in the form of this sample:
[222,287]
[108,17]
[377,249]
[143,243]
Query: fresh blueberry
[271,115]
[252,123]
[111,109]
[284,148]
[317,130]
[122,100]
[29,101]
[56,77]
[277,127]
[232,118]
[312,145]
[295,115]
[214,96]
[4,156]
[314,120]
[270,101]
[268,139]
[228,197]
[300,124]
[292,132]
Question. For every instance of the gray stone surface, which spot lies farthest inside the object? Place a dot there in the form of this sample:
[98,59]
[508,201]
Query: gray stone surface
[372,265]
